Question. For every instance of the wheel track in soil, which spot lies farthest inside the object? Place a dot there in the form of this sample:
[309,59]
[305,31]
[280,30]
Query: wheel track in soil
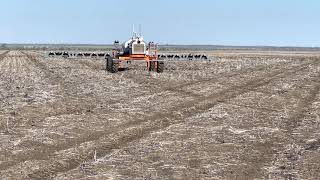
[90,138]
[174,88]
[177,88]
[156,122]
[85,139]
[154,87]
[291,124]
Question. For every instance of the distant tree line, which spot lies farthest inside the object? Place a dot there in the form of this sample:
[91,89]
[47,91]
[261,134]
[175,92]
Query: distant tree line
[3,46]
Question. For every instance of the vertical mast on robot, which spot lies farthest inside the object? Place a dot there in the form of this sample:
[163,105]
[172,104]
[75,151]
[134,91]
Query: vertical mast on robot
[134,32]
[140,32]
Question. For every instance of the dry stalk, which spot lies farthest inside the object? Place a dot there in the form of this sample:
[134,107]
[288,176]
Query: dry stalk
[95,156]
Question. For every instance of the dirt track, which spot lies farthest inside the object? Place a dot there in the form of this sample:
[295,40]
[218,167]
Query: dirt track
[234,117]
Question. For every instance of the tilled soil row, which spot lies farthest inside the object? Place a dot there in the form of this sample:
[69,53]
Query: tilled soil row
[52,78]
[3,55]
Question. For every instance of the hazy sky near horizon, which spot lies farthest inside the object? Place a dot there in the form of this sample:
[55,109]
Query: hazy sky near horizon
[217,22]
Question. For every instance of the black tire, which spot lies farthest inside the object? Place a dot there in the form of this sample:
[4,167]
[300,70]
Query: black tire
[107,64]
[160,67]
[152,66]
[112,66]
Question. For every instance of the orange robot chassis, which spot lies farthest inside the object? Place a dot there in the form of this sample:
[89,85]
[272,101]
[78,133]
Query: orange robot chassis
[118,62]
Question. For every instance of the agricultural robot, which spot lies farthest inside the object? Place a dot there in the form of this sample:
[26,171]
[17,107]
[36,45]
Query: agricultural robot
[135,49]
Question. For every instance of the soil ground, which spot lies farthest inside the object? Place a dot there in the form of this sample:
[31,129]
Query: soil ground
[237,116]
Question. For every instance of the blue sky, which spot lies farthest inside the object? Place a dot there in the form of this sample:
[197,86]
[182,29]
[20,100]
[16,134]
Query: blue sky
[217,22]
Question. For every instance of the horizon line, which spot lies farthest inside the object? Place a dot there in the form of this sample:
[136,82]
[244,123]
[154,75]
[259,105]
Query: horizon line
[216,45]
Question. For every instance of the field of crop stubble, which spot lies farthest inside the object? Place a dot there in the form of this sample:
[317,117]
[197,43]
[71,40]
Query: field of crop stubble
[241,115]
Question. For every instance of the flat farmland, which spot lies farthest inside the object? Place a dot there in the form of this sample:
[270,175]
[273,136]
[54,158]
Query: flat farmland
[236,116]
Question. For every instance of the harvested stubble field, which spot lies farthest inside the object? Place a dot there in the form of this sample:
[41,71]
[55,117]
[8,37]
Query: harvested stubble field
[245,116]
